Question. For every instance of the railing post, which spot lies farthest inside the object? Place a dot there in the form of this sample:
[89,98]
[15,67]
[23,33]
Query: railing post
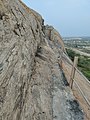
[73,71]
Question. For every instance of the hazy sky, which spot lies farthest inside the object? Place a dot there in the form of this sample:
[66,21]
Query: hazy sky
[69,17]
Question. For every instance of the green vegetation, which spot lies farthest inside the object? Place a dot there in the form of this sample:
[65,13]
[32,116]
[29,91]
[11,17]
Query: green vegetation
[83,63]
[71,54]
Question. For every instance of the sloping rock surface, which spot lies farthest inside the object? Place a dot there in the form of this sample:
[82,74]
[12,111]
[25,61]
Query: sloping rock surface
[32,84]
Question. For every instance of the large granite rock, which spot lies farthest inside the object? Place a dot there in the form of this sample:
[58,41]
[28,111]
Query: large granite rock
[32,84]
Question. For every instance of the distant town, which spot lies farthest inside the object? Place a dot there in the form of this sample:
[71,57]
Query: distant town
[81,43]
[79,46]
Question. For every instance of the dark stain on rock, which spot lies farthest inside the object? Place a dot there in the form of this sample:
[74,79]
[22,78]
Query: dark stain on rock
[75,109]
[1,68]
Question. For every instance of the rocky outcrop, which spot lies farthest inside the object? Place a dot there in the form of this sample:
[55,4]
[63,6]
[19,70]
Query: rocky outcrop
[32,84]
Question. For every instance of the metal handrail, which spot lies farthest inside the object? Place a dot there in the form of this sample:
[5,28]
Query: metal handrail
[71,63]
[67,60]
[82,93]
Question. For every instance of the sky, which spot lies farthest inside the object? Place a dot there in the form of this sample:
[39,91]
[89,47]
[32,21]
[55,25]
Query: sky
[70,17]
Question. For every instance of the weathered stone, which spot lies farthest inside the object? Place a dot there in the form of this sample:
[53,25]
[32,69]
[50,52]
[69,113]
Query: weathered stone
[31,80]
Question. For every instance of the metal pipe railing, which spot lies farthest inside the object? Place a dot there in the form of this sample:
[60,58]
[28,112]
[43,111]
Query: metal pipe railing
[65,59]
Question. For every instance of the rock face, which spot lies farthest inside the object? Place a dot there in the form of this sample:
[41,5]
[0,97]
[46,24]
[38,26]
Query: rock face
[32,84]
